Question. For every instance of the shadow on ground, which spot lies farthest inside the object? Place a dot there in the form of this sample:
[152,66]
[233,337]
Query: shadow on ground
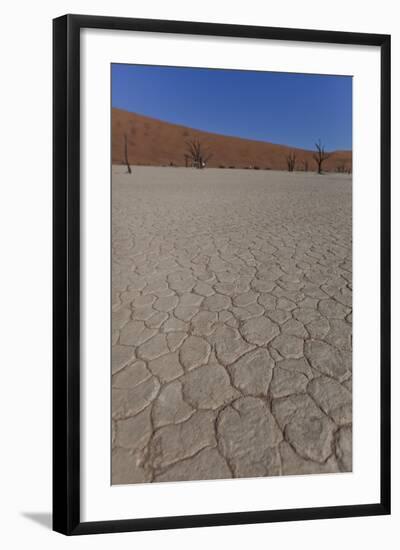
[42,518]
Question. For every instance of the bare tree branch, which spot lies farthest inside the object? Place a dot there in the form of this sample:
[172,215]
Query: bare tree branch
[320,156]
[197,153]
[291,160]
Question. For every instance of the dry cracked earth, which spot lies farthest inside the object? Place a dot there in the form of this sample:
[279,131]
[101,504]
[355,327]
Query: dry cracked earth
[231,324]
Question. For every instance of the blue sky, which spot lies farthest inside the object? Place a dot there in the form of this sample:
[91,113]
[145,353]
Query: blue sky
[285,108]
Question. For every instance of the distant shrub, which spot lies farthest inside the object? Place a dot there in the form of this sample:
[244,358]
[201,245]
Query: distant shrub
[341,168]
[221,166]
[256,167]
[232,167]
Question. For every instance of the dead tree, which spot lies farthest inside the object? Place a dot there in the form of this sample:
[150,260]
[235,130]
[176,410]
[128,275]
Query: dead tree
[291,159]
[197,153]
[305,165]
[320,156]
[126,155]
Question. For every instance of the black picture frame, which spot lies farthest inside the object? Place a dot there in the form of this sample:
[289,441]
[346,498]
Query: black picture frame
[66,273]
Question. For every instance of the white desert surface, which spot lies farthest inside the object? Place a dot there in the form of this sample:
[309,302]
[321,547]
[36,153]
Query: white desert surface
[232,323]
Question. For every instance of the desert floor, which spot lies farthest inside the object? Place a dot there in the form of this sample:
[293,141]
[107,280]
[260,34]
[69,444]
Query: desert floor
[231,330]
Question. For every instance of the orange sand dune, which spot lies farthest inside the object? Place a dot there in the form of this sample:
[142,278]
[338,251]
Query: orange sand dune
[157,143]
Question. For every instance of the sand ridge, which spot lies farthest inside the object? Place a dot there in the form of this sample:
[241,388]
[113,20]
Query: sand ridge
[157,143]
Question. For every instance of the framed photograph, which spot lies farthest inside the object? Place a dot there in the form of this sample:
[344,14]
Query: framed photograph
[221,274]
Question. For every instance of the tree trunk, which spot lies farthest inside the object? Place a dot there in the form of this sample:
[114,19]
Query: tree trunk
[126,156]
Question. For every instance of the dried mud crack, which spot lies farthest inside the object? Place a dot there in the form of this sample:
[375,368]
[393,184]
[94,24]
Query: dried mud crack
[231,324]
